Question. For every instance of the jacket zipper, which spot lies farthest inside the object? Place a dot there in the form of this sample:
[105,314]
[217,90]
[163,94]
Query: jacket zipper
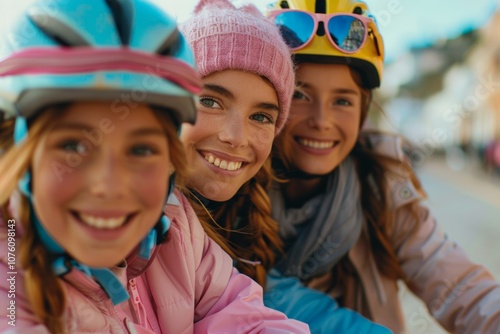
[139,310]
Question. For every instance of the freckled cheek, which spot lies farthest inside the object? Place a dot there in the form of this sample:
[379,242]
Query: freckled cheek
[205,125]
[263,143]
[298,115]
[55,182]
[347,124]
[151,184]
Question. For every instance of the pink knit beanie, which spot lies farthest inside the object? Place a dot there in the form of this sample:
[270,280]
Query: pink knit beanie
[224,37]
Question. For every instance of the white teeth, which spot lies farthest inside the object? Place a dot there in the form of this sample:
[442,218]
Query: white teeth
[316,144]
[223,164]
[104,223]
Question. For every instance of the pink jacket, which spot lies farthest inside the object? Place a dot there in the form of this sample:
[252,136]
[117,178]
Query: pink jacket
[189,286]
[461,295]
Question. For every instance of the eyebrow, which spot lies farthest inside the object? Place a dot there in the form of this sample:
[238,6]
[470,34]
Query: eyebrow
[268,106]
[346,91]
[226,93]
[220,90]
[301,84]
[87,127]
[148,132]
[72,126]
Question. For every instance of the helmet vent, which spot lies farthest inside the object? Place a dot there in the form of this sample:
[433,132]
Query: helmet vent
[59,31]
[321,6]
[358,10]
[121,10]
[171,45]
[284,4]
[321,29]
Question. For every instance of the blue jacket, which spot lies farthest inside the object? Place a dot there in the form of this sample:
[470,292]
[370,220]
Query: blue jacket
[318,310]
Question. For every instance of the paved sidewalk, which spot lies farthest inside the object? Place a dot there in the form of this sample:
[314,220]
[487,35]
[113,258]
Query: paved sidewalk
[466,203]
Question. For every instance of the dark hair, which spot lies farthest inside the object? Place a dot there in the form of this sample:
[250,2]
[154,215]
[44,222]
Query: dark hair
[6,135]
[255,238]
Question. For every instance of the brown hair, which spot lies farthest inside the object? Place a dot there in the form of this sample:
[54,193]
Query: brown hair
[373,170]
[256,238]
[6,135]
[44,290]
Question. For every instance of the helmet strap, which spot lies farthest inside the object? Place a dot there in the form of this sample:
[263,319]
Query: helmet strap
[20,129]
[61,266]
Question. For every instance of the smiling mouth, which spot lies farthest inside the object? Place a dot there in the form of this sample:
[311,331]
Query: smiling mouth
[102,223]
[223,164]
[316,144]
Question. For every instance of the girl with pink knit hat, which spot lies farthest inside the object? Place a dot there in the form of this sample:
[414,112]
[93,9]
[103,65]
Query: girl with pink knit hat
[248,82]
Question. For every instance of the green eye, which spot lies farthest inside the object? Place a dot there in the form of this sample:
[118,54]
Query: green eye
[209,103]
[298,95]
[263,118]
[70,146]
[74,146]
[142,150]
[344,102]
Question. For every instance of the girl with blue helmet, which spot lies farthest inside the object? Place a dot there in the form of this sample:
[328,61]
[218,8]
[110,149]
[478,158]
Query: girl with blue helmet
[97,92]
[351,214]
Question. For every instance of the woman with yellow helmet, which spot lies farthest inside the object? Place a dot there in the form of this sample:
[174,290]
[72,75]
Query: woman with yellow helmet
[350,215]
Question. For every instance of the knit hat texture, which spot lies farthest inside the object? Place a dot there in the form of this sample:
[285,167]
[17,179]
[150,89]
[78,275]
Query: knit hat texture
[224,37]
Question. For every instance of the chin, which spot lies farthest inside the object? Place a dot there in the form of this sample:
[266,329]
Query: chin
[314,170]
[221,197]
[101,261]
[215,191]
[319,166]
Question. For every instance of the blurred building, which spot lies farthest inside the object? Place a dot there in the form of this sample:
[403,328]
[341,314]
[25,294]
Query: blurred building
[446,96]
[485,61]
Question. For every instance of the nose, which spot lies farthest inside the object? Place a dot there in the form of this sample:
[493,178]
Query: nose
[235,130]
[321,117]
[107,177]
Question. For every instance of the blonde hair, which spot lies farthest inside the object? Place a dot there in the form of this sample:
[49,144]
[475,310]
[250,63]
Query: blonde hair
[44,290]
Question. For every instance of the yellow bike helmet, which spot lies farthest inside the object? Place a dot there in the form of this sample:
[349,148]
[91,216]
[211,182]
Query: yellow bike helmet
[368,59]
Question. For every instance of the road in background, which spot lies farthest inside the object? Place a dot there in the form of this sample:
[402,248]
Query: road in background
[466,203]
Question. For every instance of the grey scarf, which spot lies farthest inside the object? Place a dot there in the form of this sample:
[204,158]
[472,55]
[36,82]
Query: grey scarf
[320,232]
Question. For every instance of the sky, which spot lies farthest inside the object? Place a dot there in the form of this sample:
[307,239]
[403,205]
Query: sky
[403,23]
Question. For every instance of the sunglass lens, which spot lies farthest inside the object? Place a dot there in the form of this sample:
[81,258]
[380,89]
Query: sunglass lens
[346,32]
[295,27]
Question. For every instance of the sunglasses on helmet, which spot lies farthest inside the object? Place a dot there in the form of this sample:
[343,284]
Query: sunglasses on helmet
[347,32]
